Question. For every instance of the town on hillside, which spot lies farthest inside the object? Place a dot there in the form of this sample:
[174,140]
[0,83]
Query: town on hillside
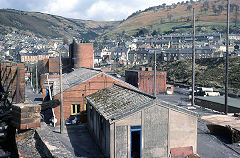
[166,95]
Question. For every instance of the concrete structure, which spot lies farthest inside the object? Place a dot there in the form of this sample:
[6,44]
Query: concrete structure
[76,86]
[217,103]
[81,54]
[129,123]
[144,80]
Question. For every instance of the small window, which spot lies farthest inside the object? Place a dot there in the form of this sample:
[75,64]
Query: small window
[75,109]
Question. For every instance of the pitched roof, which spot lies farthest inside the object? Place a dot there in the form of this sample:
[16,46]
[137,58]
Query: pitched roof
[116,101]
[74,78]
[79,76]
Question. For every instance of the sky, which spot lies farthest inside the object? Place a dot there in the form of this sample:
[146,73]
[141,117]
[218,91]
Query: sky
[85,9]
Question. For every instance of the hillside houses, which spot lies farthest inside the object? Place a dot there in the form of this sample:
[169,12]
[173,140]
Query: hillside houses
[25,48]
[140,50]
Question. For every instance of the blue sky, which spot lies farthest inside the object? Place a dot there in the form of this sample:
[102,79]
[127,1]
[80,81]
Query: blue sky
[85,9]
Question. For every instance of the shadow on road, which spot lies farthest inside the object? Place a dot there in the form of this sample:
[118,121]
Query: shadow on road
[81,141]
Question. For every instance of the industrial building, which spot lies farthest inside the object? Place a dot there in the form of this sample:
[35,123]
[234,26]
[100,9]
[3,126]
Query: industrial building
[130,123]
[82,81]
[144,80]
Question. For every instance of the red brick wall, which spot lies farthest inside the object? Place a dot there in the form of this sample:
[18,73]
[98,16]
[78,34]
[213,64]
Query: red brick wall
[83,55]
[43,78]
[53,65]
[13,80]
[78,93]
[146,81]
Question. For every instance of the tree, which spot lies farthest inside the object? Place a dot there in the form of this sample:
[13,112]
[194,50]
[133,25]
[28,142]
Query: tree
[164,5]
[189,7]
[220,8]
[214,9]
[154,33]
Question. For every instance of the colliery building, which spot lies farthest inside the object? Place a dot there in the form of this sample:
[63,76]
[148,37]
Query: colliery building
[129,123]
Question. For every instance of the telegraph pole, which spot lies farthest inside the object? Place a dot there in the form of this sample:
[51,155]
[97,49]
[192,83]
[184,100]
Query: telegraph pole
[193,58]
[227,59]
[36,78]
[155,71]
[61,95]
[31,77]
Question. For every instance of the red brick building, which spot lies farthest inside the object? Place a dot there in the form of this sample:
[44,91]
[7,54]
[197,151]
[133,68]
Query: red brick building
[76,86]
[81,54]
[144,80]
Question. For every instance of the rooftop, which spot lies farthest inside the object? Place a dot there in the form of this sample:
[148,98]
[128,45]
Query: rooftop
[116,101]
[234,102]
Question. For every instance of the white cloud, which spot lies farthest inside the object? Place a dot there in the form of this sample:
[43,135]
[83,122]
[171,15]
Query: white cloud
[85,9]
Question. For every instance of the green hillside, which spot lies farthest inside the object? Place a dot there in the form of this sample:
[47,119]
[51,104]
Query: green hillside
[209,72]
[50,25]
[177,18]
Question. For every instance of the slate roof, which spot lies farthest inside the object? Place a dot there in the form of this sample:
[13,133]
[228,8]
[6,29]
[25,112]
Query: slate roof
[74,78]
[79,76]
[117,101]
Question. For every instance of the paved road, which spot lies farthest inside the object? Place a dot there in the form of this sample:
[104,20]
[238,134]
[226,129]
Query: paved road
[77,140]
[32,96]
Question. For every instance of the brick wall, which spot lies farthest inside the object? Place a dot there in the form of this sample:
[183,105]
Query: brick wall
[43,78]
[144,80]
[26,116]
[13,80]
[83,55]
[76,95]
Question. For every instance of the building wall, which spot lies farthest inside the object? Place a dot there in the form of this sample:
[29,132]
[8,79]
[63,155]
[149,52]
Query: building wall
[13,80]
[43,78]
[146,81]
[182,130]
[100,130]
[132,78]
[83,55]
[154,133]
[162,129]
[76,95]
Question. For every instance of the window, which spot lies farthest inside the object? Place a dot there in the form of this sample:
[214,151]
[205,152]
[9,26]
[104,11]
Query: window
[75,109]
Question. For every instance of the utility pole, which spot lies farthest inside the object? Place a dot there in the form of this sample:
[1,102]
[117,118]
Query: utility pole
[49,89]
[50,95]
[31,83]
[36,78]
[155,72]
[61,95]
[227,59]
[193,58]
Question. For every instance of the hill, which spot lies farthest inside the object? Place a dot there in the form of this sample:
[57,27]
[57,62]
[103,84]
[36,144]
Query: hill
[209,72]
[176,18]
[51,25]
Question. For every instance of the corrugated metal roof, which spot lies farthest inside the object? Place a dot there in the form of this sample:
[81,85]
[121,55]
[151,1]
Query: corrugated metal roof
[117,101]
